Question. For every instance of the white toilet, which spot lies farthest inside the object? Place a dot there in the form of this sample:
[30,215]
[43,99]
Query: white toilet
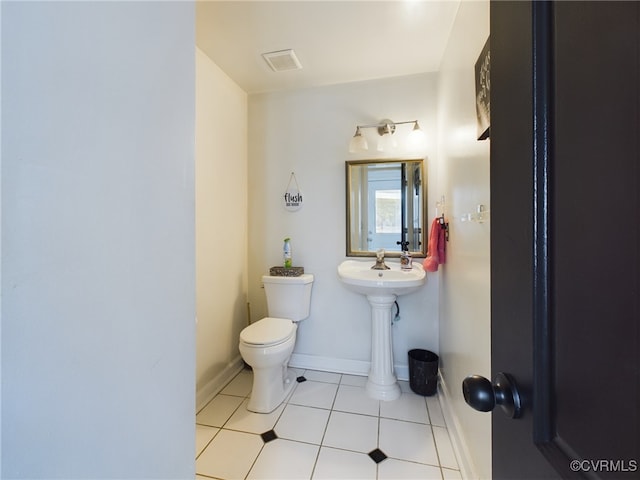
[267,344]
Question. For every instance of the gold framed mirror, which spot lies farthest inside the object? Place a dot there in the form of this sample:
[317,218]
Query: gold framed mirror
[386,207]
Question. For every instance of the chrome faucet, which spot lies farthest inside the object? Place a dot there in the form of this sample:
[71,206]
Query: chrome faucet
[380,261]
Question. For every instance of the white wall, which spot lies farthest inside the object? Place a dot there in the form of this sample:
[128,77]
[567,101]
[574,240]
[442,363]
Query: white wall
[465,322]
[98,311]
[308,132]
[221,225]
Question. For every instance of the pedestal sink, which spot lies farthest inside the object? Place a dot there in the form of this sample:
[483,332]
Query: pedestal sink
[381,288]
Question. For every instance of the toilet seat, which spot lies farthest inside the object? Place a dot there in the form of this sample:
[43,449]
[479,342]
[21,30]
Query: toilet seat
[269,331]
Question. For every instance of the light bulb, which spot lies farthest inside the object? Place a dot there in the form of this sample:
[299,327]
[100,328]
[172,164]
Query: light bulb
[358,143]
[387,143]
[416,140]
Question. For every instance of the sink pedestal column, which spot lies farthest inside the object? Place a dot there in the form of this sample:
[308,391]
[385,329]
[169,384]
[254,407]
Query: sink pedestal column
[382,383]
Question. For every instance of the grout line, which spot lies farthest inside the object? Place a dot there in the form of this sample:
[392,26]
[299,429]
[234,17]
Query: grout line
[426,405]
[315,462]
[335,396]
[378,443]
[435,445]
[210,440]
[253,464]
[207,476]
[326,427]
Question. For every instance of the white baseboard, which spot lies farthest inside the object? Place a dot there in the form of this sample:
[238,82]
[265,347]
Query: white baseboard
[340,365]
[402,372]
[217,383]
[467,468]
[329,364]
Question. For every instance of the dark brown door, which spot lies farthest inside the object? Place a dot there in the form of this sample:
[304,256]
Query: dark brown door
[565,241]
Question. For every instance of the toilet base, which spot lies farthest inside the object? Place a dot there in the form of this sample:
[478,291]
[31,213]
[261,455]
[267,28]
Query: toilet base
[267,392]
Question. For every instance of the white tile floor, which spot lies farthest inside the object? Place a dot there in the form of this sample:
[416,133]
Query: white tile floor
[326,429]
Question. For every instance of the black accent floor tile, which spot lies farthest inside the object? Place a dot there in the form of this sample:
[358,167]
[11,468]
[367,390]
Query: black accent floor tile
[377,455]
[301,379]
[268,436]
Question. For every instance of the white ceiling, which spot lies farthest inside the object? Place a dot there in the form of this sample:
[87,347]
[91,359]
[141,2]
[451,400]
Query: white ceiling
[335,41]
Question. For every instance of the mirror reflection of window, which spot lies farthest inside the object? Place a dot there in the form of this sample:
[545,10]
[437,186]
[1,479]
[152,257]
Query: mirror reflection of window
[388,211]
[385,207]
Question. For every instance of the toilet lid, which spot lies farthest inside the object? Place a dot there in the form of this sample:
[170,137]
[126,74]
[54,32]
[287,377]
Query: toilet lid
[268,331]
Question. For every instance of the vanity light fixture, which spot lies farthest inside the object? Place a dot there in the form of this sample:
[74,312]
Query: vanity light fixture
[386,129]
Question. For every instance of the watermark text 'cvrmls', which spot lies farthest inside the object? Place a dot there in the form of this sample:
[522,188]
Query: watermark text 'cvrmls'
[604,465]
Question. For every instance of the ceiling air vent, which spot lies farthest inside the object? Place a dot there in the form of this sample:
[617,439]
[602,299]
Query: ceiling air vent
[282,60]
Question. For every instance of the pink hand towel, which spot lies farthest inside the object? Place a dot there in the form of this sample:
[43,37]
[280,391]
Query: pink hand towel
[436,249]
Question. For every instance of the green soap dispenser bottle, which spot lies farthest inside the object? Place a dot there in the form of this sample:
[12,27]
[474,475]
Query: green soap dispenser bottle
[286,253]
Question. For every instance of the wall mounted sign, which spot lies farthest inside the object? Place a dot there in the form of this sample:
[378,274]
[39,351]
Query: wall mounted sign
[483,92]
[292,198]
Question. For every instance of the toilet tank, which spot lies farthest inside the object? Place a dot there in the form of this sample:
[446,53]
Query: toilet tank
[288,297]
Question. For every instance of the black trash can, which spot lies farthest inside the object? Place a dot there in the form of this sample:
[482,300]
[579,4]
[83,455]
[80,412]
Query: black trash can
[423,372]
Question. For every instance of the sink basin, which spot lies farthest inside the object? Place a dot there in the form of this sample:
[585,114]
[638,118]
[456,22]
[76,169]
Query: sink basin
[358,277]
[381,288]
